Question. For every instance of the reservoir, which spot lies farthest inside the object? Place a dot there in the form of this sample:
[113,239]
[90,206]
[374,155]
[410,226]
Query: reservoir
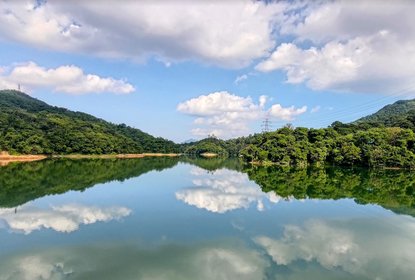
[183,218]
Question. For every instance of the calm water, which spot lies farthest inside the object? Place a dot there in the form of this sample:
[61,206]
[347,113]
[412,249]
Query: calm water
[203,219]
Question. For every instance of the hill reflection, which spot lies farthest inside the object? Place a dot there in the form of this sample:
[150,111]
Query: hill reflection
[23,182]
[391,189]
[228,185]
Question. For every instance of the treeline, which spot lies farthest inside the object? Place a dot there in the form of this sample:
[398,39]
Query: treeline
[336,145]
[228,148]
[30,126]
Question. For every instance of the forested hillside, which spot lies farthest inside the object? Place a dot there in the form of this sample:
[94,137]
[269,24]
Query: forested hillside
[388,147]
[398,114]
[30,126]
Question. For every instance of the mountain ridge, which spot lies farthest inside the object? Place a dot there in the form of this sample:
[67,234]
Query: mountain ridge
[399,114]
[31,126]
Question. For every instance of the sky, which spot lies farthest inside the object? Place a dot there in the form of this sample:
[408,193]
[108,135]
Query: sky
[188,69]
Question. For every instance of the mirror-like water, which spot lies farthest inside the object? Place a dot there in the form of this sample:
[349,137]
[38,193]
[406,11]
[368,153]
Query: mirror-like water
[167,218]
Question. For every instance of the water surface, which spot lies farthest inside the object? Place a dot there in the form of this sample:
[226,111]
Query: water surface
[168,218]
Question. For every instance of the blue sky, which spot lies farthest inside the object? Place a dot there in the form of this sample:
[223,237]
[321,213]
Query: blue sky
[184,70]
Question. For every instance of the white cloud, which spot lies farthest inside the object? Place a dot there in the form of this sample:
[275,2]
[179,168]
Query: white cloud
[217,102]
[224,190]
[286,114]
[240,79]
[229,34]
[67,79]
[65,218]
[263,100]
[356,47]
[328,45]
[227,115]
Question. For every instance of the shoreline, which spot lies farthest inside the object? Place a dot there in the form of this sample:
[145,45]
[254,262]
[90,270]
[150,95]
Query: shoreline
[118,155]
[5,159]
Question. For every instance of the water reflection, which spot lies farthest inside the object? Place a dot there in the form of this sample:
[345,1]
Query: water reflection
[213,260]
[391,189]
[212,164]
[348,246]
[224,190]
[316,249]
[21,183]
[322,237]
[64,218]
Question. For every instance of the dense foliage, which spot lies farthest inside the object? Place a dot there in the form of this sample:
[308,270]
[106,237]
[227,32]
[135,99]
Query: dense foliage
[208,145]
[29,126]
[388,147]
[399,114]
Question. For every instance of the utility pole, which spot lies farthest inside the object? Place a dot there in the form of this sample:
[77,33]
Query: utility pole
[18,87]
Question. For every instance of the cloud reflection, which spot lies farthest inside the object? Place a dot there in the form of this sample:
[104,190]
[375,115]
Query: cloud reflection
[214,260]
[224,190]
[359,248]
[382,249]
[64,218]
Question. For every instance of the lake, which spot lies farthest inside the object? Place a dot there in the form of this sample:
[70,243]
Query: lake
[183,218]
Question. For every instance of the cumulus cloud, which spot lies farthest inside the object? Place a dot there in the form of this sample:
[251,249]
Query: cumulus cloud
[65,218]
[66,79]
[373,52]
[227,115]
[348,245]
[224,190]
[217,102]
[286,114]
[328,45]
[229,34]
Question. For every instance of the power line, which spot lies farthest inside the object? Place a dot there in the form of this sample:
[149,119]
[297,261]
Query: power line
[356,111]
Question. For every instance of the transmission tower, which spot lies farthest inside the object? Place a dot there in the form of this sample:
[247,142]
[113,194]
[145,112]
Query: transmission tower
[266,124]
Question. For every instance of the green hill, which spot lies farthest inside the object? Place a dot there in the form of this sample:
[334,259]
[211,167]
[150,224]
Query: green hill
[399,114]
[30,126]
